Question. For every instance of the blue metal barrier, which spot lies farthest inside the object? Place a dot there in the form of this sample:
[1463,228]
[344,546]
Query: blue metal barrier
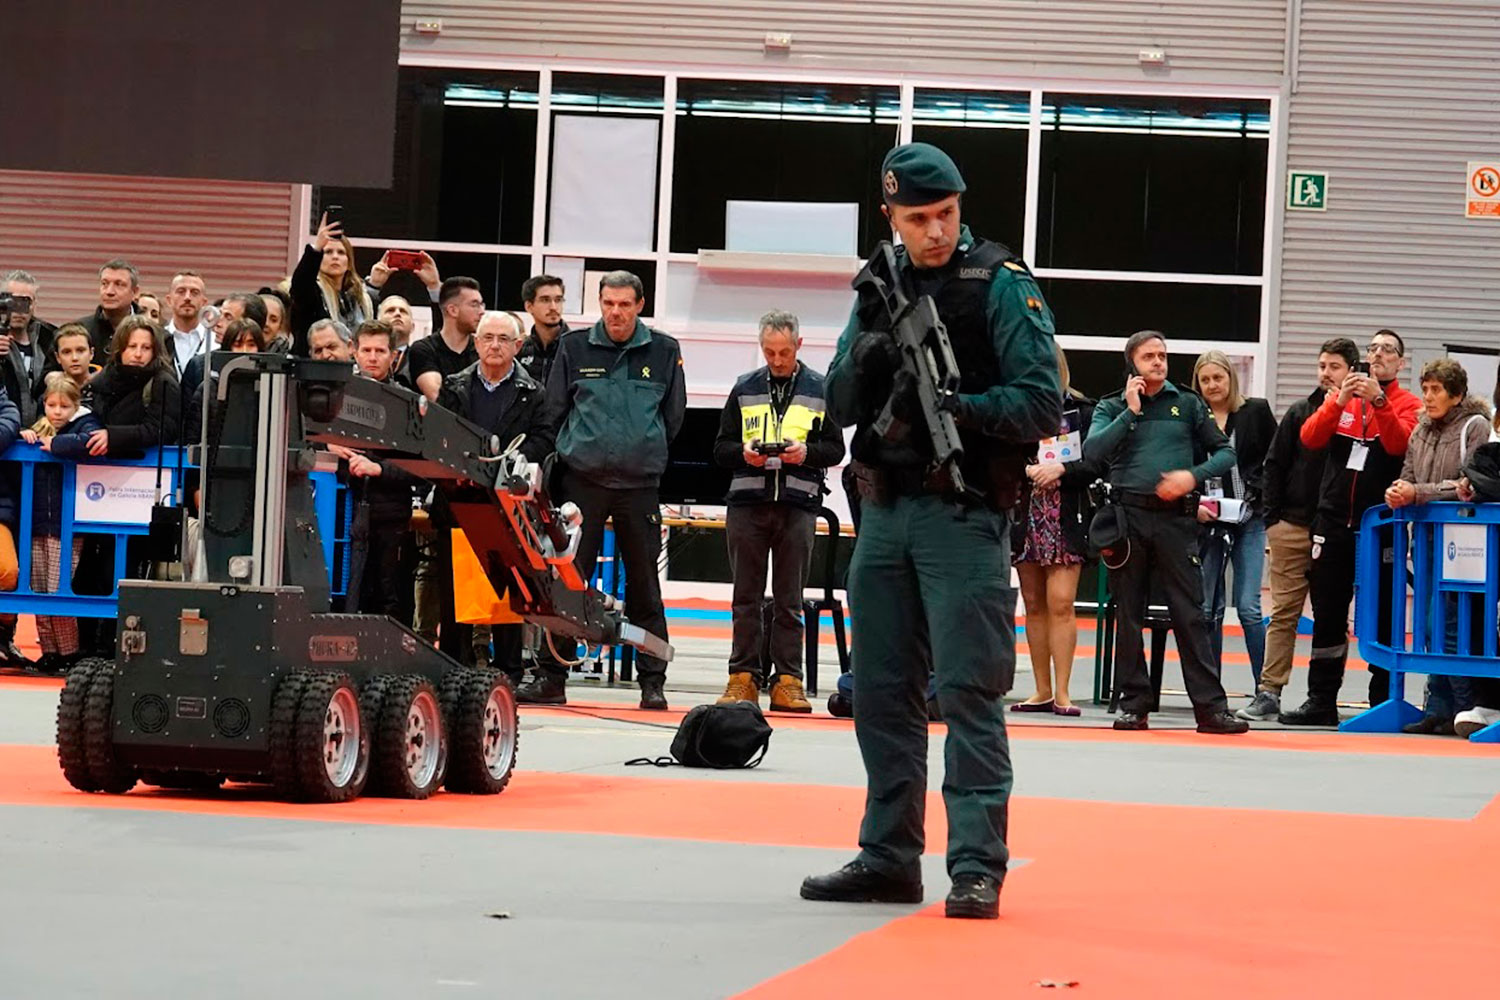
[1454,552]
[116,490]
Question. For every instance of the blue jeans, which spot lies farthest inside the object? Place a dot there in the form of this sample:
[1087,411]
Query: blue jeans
[1242,548]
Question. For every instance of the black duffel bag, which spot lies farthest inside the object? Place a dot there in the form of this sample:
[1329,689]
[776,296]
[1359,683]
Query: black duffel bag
[723,737]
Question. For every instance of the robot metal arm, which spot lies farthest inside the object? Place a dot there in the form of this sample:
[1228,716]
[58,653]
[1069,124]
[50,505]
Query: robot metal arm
[496,494]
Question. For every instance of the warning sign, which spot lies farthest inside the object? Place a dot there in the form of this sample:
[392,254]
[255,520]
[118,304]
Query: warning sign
[1482,190]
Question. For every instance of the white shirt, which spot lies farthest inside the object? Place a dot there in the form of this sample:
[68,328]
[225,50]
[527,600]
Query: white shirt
[186,344]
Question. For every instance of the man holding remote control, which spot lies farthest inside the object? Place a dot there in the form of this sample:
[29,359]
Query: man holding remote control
[775,436]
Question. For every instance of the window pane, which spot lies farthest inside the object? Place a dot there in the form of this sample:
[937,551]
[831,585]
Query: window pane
[768,141]
[1153,183]
[584,92]
[1119,308]
[465,166]
[986,134]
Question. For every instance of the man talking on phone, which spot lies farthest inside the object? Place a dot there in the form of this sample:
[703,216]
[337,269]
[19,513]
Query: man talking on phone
[1365,426]
[1161,444]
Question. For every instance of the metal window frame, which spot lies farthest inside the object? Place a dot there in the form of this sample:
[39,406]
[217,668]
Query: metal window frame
[1268,280]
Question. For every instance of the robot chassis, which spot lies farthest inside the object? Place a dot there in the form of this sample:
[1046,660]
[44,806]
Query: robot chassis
[247,676]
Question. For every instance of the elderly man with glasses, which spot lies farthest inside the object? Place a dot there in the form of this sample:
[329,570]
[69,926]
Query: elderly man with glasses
[1364,425]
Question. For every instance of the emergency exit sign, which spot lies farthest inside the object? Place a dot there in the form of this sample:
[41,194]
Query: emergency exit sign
[1307,191]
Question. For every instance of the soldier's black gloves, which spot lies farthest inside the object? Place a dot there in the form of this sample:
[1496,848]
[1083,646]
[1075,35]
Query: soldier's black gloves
[955,405]
[876,358]
[906,405]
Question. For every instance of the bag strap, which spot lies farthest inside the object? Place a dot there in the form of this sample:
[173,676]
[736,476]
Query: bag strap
[652,762]
[1463,438]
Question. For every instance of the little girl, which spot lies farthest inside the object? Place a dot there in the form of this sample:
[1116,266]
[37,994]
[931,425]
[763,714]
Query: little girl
[63,431]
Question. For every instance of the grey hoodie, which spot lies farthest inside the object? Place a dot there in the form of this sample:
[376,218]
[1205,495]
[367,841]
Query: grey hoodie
[1437,450]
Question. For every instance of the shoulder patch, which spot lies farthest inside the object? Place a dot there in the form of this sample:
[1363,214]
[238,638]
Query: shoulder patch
[981,273]
[1014,266]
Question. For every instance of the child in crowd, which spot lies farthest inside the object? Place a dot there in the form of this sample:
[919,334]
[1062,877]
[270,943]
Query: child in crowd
[62,431]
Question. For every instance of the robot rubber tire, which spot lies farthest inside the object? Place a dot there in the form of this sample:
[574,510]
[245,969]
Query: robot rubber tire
[484,731]
[409,757]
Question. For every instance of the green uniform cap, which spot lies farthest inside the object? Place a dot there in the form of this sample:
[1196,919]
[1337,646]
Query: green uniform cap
[919,173]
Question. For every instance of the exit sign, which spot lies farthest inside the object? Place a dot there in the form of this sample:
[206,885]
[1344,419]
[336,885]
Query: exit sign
[1307,191]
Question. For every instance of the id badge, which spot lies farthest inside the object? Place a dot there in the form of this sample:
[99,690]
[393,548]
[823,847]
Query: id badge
[1214,488]
[1063,449]
[1359,452]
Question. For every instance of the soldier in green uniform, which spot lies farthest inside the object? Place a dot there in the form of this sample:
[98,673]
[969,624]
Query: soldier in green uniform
[930,578]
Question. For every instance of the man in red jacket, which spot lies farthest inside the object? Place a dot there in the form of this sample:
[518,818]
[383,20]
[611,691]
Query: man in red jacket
[1364,426]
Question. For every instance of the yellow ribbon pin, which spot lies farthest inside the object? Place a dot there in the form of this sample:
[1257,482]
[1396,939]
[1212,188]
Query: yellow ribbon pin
[646,371]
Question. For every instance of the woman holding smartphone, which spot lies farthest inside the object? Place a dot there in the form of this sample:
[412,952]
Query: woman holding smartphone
[1235,536]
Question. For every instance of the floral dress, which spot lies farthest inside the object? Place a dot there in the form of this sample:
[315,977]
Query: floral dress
[1045,544]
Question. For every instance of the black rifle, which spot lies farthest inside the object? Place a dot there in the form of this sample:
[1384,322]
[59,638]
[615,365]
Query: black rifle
[926,354]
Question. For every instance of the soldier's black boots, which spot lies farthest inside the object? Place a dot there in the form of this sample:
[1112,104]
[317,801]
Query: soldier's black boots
[857,882]
[652,696]
[975,897]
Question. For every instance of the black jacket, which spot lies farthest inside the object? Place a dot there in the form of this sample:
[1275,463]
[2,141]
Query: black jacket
[139,407]
[1077,477]
[525,415]
[537,357]
[1250,430]
[101,330]
[800,485]
[1293,473]
[389,494]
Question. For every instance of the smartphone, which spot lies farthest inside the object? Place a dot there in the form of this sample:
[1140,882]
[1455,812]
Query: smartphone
[403,260]
[335,215]
[1363,367]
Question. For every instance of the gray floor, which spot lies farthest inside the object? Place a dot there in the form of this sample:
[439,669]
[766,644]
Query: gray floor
[138,903]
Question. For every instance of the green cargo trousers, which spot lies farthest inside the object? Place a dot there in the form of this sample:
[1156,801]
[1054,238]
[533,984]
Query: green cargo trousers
[927,570]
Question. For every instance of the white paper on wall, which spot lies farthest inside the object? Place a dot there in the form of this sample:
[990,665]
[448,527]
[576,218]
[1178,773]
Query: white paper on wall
[603,183]
[570,270]
[791,227]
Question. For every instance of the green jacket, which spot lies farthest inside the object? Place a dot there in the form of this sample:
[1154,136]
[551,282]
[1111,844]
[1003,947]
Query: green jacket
[1174,430]
[616,407]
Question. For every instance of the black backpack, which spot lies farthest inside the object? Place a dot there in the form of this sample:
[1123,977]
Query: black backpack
[723,737]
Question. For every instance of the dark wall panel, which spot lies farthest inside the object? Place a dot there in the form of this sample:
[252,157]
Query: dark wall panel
[274,90]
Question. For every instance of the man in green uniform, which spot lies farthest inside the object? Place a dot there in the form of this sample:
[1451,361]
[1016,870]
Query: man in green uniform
[1161,445]
[930,578]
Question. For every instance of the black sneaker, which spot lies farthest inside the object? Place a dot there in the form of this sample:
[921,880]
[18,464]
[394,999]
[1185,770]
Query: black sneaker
[1314,712]
[1132,720]
[543,689]
[857,882]
[652,696]
[1222,724]
[976,897]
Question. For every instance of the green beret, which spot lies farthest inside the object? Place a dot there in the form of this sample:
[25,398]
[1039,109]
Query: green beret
[919,173]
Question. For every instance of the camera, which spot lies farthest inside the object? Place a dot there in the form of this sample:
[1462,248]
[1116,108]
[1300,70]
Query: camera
[1363,367]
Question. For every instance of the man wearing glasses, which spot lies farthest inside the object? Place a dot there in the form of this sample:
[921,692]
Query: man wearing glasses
[500,396]
[544,296]
[1364,426]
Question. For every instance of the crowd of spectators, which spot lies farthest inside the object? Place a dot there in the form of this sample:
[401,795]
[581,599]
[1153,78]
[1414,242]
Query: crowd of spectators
[131,375]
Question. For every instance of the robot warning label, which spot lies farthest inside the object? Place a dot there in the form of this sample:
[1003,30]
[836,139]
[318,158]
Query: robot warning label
[333,648]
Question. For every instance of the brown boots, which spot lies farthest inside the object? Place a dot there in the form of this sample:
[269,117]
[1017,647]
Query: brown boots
[742,687]
[786,694]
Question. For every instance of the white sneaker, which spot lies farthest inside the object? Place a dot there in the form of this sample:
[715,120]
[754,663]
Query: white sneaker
[1468,723]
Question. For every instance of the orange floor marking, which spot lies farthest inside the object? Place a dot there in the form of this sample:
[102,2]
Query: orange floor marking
[1151,902]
